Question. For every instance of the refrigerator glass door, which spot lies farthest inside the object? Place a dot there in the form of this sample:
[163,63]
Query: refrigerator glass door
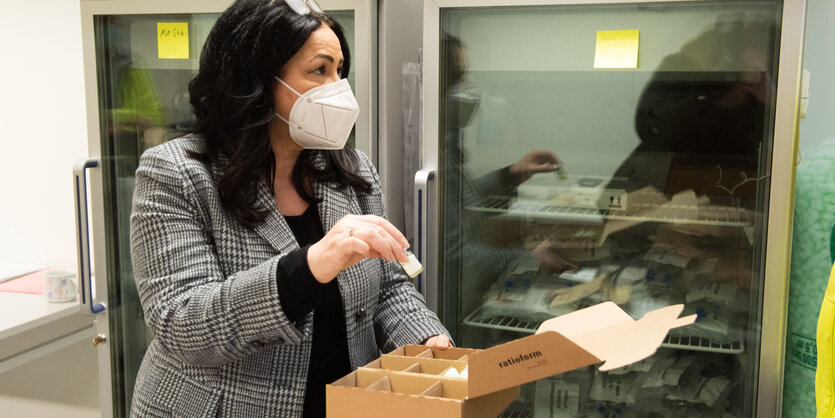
[611,152]
[143,101]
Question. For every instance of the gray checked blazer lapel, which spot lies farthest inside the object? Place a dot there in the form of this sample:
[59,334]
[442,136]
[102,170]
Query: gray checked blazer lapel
[274,228]
[334,204]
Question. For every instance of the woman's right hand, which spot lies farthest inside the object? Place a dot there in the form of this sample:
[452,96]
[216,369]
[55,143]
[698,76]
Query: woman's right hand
[353,238]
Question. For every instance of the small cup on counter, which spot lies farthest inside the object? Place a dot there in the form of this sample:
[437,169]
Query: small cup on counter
[61,286]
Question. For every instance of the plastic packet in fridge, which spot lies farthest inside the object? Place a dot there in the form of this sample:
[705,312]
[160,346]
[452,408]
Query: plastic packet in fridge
[707,391]
[616,389]
[556,398]
[724,293]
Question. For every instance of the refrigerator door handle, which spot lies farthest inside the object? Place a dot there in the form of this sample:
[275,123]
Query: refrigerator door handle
[426,282]
[82,228]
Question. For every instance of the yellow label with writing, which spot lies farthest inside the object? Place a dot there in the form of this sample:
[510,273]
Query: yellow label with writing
[172,40]
[616,49]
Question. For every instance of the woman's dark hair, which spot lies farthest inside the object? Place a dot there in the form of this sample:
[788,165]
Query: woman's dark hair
[232,98]
[453,68]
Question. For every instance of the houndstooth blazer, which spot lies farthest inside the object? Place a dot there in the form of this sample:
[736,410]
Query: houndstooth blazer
[223,346]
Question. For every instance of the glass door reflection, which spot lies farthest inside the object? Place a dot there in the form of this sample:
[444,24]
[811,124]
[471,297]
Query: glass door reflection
[565,184]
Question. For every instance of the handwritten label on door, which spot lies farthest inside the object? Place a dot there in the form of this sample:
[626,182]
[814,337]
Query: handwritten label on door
[172,40]
[616,49]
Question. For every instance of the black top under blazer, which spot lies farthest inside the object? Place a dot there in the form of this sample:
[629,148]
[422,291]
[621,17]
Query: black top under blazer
[222,345]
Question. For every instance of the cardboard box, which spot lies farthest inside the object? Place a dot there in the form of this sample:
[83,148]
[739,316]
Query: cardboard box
[409,381]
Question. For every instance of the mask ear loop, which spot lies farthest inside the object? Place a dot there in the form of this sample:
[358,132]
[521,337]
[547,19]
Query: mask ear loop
[287,85]
[285,120]
[294,91]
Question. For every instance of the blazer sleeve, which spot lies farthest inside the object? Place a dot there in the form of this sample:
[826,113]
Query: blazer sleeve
[401,316]
[196,313]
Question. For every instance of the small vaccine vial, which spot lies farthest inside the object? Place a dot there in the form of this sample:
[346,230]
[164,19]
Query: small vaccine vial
[559,172]
[413,266]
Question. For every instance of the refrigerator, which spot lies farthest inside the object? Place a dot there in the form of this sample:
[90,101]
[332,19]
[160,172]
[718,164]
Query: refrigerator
[575,152]
[139,56]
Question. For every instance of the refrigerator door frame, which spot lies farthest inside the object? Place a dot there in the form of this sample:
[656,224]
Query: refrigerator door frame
[780,209]
[365,67]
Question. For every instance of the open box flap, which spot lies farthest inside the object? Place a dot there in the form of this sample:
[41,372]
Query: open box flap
[583,321]
[602,332]
[629,342]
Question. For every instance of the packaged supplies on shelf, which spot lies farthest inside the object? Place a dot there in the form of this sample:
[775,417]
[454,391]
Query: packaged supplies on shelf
[556,398]
[409,381]
[719,293]
[555,255]
[663,254]
[657,363]
[714,322]
[665,277]
[703,266]
[619,295]
[616,388]
[703,240]
[573,293]
[688,379]
[706,390]
[524,297]
[583,275]
[649,205]
[660,279]
[683,369]
[574,192]
[632,275]
[521,266]
[527,295]
[591,252]
[706,235]
[566,236]
[506,296]
[602,410]
[646,297]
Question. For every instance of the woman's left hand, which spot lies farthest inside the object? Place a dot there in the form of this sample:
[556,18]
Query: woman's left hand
[440,341]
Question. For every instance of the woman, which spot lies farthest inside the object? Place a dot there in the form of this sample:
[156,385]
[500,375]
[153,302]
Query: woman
[265,266]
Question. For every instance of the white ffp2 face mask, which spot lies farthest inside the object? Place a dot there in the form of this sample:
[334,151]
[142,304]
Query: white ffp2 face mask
[323,116]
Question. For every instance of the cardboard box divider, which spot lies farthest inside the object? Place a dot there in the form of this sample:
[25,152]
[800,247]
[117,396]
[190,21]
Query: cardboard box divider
[412,384]
[374,392]
[408,381]
[425,365]
[414,368]
[451,353]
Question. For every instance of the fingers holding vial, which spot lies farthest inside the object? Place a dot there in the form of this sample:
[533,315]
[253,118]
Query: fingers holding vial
[397,243]
[356,237]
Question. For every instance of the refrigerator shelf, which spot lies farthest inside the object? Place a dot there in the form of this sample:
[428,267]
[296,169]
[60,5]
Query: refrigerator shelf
[714,215]
[507,323]
[515,414]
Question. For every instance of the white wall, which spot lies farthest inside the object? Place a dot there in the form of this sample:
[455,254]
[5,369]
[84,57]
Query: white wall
[820,61]
[42,132]
[42,129]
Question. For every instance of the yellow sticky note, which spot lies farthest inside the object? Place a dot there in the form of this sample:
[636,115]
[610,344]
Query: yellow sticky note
[616,49]
[172,40]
